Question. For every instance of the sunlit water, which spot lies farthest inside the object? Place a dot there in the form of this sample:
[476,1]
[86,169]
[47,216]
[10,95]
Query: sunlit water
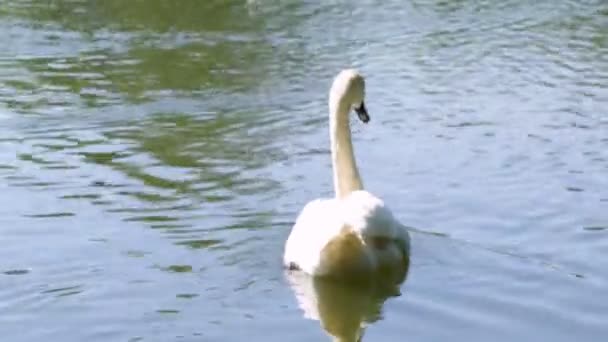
[153,156]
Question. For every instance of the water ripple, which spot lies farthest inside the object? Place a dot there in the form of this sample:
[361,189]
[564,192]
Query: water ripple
[152,163]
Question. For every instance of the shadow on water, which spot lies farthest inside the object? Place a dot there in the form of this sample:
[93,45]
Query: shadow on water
[92,54]
[209,156]
[152,15]
[160,97]
[191,176]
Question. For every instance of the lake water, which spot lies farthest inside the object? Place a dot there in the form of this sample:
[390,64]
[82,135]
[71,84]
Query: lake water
[154,155]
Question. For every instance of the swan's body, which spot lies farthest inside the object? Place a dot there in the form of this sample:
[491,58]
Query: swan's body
[353,234]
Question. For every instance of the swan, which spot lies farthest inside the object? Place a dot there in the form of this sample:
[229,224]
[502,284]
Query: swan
[353,236]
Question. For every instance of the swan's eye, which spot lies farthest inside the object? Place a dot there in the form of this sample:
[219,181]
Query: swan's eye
[362,112]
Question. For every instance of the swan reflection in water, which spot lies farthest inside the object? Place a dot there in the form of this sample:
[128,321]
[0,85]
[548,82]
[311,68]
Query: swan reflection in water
[343,309]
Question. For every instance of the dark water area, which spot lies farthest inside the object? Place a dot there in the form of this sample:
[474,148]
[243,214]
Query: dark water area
[154,155]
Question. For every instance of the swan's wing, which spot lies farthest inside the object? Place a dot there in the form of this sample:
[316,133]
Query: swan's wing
[317,223]
[403,243]
[403,239]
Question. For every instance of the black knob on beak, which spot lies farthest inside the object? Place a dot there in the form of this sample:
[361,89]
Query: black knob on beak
[362,112]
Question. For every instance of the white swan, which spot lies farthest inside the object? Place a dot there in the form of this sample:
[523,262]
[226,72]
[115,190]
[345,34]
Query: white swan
[353,235]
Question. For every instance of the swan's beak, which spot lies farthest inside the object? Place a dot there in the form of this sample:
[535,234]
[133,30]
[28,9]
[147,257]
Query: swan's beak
[362,113]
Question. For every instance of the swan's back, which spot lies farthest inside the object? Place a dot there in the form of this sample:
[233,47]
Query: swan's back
[367,215]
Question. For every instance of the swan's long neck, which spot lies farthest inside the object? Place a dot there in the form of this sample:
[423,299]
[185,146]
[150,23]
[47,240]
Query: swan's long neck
[346,175]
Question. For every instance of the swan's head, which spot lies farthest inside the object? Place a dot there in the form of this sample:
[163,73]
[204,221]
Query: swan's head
[348,91]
